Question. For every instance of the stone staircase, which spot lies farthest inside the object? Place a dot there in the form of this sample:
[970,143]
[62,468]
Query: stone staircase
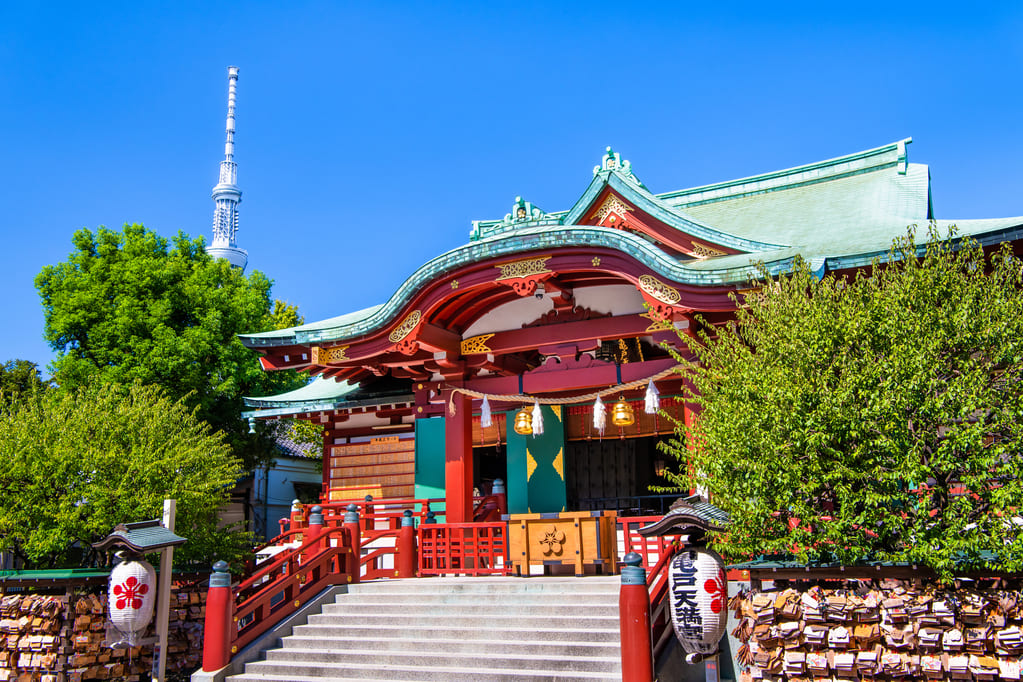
[525,629]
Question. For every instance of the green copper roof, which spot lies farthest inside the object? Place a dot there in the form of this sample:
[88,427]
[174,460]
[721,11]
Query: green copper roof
[316,391]
[324,394]
[838,213]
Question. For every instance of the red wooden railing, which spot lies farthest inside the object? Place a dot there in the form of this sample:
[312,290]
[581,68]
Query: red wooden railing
[281,586]
[650,549]
[372,513]
[464,549]
[655,552]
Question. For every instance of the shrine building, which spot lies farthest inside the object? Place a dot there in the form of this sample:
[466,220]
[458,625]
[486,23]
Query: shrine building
[488,361]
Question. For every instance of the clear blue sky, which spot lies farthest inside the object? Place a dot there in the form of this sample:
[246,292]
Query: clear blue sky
[371,134]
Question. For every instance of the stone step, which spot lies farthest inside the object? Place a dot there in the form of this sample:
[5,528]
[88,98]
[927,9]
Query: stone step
[563,634]
[415,619]
[490,585]
[481,598]
[432,660]
[264,671]
[540,646]
[494,610]
[455,629]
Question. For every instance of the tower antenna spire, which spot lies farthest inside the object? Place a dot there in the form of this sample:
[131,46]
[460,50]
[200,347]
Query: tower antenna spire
[226,195]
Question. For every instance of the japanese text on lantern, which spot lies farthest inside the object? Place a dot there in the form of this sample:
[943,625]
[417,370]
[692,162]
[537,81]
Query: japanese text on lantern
[684,596]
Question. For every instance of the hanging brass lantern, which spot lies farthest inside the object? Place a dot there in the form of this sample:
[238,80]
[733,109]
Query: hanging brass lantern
[622,414]
[524,422]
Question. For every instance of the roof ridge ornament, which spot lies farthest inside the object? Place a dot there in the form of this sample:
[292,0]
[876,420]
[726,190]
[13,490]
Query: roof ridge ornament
[522,212]
[612,161]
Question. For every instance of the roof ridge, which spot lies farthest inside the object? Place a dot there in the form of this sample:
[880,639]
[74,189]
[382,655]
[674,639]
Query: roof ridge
[892,154]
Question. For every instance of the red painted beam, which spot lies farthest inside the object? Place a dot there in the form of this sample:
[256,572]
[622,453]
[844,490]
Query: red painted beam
[518,340]
[599,375]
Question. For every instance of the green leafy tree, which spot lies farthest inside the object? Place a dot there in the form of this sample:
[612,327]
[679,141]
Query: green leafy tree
[131,306]
[20,378]
[871,417]
[76,463]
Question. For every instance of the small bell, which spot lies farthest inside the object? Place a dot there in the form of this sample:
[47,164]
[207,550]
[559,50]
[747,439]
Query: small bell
[524,422]
[622,414]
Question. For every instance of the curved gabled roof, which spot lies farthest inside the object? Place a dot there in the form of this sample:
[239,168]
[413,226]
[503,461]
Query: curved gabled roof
[837,213]
[731,270]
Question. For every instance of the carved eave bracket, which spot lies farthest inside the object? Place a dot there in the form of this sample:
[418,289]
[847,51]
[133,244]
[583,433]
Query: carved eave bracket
[664,300]
[523,276]
[324,356]
[403,336]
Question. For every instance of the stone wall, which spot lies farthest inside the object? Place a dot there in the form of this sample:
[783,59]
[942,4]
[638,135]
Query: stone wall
[59,638]
[880,630]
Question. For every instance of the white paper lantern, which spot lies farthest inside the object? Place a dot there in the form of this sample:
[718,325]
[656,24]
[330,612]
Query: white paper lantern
[132,596]
[699,599]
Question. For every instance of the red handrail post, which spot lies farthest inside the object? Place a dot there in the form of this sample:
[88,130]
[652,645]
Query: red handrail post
[407,546]
[498,490]
[352,524]
[634,622]
[314,531]
[367,513]
[216,647]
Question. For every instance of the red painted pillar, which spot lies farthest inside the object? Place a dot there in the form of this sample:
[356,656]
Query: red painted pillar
[352,524]
[458,460]
[634,621]
[216,646]
[407,546]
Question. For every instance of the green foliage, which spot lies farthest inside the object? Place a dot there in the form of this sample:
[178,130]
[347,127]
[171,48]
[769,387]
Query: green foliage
[20,378]
[130,306]
[878,414]
[78,463]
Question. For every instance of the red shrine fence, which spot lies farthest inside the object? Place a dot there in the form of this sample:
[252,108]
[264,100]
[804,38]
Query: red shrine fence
[347,542]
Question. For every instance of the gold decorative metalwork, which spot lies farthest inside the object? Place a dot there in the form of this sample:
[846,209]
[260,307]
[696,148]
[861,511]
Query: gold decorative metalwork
[523,268]
[656,324]
[476,344]
[704,251]
[454,284]
[596,261]
[407,326]
[325,356]
[612,205]
[623,352]
[746,294]
[658,290]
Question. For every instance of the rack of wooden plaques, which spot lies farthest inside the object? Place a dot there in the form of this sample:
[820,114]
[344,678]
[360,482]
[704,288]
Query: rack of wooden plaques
[383,467]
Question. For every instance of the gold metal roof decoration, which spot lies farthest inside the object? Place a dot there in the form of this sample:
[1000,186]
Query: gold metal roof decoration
[476,344]
[325,356]
[658,290]
[701,250]
[612,205]
[407,326]
[523,268]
